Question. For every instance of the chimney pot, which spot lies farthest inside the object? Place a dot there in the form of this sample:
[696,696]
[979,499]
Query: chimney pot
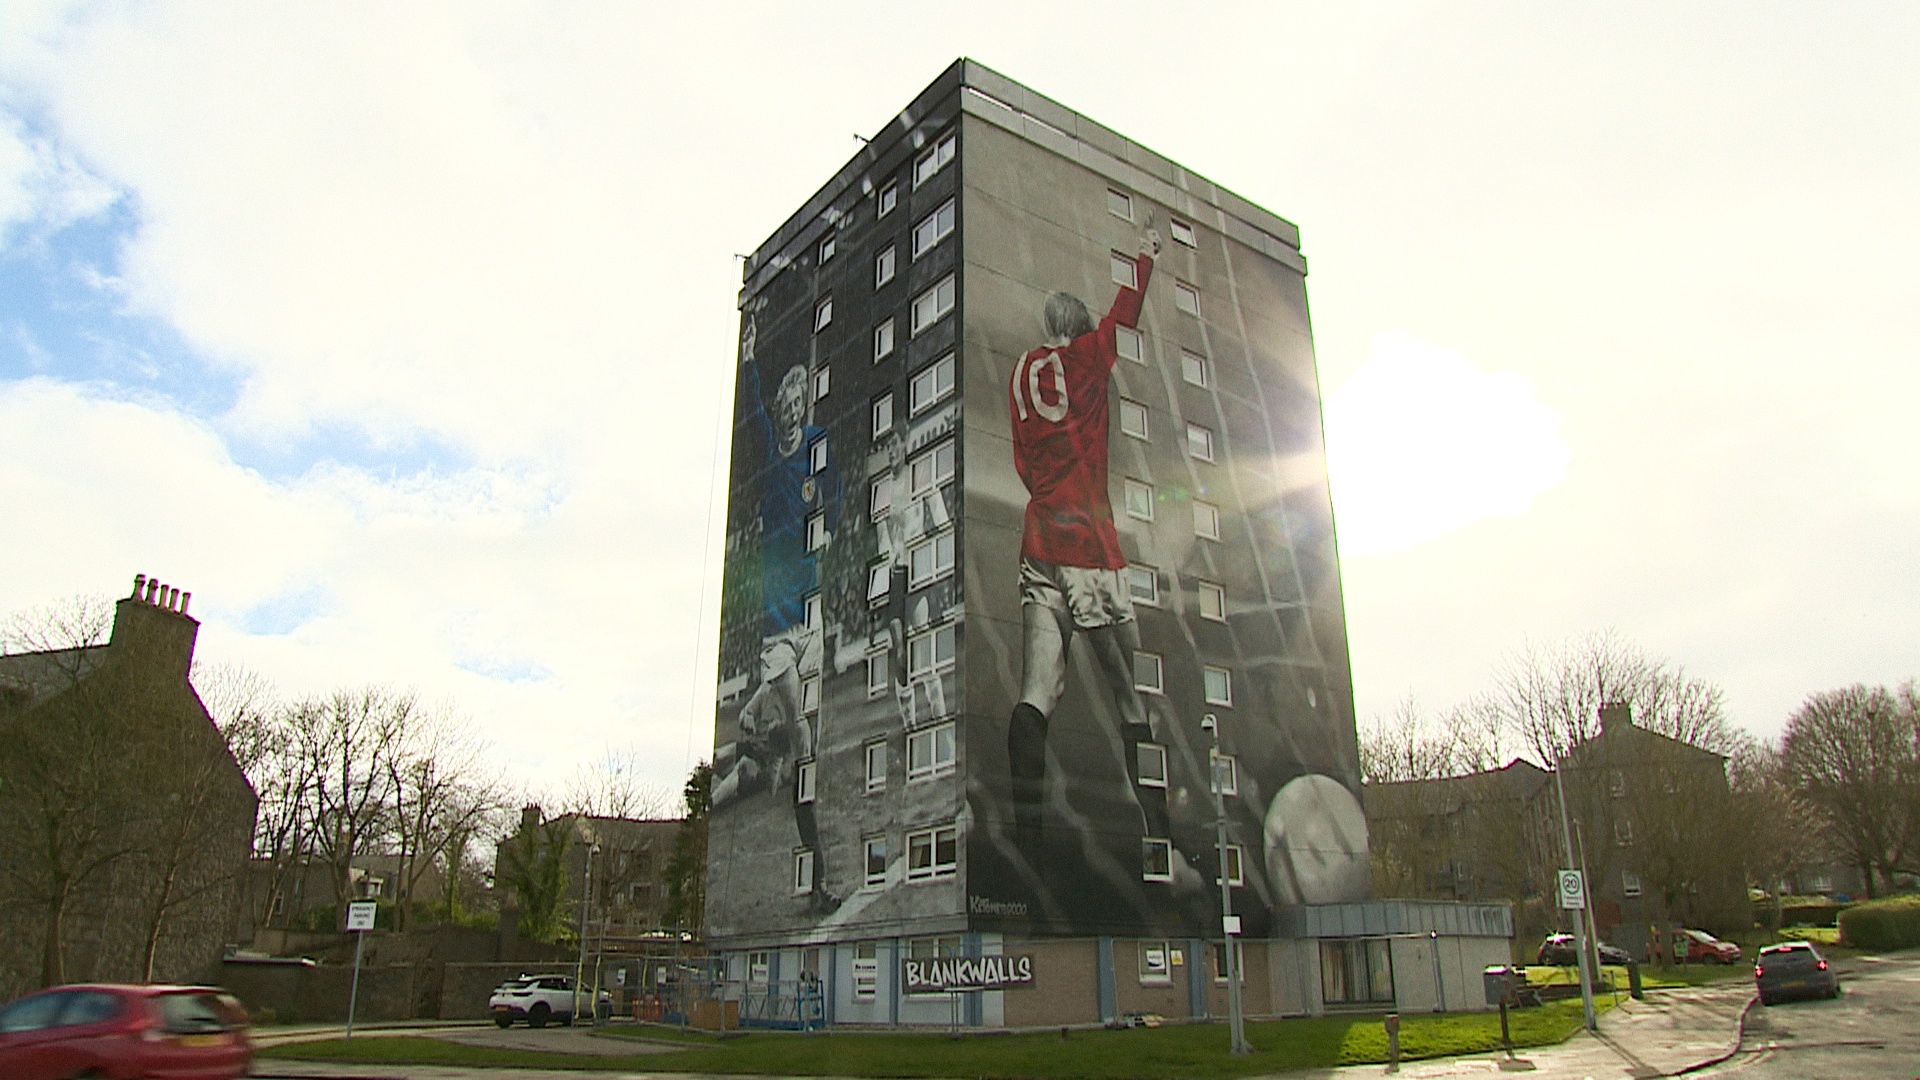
[139,585]
[153,590]
[173,599]
[185,599]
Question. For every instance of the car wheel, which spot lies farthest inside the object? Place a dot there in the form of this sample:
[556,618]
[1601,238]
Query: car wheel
[537,1016]
[503,1021]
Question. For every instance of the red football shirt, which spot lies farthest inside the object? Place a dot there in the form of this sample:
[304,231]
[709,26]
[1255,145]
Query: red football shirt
[1058,401]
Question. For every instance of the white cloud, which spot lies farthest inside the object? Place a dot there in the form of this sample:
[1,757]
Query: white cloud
[1421,443]
[41,184]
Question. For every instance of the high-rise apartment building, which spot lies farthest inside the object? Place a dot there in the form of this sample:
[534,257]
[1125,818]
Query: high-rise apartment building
[1029,521]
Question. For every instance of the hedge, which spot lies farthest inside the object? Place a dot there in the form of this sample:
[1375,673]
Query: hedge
[1893,923]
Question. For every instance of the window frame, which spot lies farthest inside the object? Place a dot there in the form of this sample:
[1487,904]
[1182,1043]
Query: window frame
[885,267]
[1215,759]
[817,456]
[932,372]
[1203,590]
[828,247]
[928,165]
[1201,364]
[805,781]
[1203,449]
[1151,575]
[873,757]
[1120,204]
[1162,845]
[1124,271]
[1123,336]
[880,427]
[1132,487]
[1186,298]
[933,635]
[1149,976]
[803,867]
[1211,513]
[936,767]
[868,843]
[931,837]
[949,287]
[879,497]
[879,581]
[1138,409]
[1207,673]
[823,313]
[817,532]
[879,660]
[822,382]
[883,339]
[947,214]
[1159,667]
[936,570]
[1176,228]
[887,198]
[937,480]
[1157,750]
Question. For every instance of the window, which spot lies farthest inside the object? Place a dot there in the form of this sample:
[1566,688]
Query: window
[879,581]
[1125,273]
[1234,862]
[1623,832]
[1213,602]
[802,872]
[932,229]
[810,694]
[876,860]
[803,775]
[877,674]
[933,853]
[816,532]
[759,965]
[641,895]
[812,615]
[880,497]
[1200,442]
[1193,368]
[1156,965]
[1206,520]
[1133,419]
[882,415]
[1143,584]
[1219,685]
[934,382]
[930,306]
[817,456]
[1617,784]
[1156,860]
[1186,298]
[934,160]
[883,340]
[866,965]
[1120,204]
[1128,343]
[883,267]
[822,382]
[931,469]
[828,246]
[876,755]
[1146,673]
[1226,774]
[889,198]
[930,559]
[931,651]
[930,753]
[1140,500]
[1150,759]
[1182,232]
[1356,971]
[1629,883]
[822,314]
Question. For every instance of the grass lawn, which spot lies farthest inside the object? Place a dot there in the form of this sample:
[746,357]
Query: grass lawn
[1186,1050]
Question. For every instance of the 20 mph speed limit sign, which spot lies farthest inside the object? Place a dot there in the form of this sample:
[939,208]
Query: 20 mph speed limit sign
[1573,890]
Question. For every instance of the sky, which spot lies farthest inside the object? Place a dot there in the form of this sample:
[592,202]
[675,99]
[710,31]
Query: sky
[402,335]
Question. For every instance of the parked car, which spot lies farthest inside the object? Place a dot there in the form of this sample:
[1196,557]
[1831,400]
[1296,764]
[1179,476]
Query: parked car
[1560,950]
[539,1000]
[1793,969]
[1704,948]
[115,1032]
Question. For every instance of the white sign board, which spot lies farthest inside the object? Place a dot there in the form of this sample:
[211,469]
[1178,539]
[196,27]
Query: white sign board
[1230,924]
[360,915]
[1573,891]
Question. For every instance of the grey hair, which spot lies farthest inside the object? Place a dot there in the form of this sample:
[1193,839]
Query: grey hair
[1067,316]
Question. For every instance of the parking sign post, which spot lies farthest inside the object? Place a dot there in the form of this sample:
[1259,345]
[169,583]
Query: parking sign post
[360,916]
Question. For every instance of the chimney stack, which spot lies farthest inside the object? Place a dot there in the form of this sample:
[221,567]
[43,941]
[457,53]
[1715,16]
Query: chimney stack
[162,643]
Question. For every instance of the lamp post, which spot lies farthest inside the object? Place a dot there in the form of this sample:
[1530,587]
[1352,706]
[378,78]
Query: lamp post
[1229,923]
[1579,920]
[580,967]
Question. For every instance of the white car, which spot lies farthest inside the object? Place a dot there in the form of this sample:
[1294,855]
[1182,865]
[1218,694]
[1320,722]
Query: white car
[538,999]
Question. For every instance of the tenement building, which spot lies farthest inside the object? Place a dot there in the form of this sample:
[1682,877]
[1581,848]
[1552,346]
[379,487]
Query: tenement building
[1029,553]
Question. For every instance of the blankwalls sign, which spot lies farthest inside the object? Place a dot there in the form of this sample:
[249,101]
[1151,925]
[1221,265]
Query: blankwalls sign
[955,973]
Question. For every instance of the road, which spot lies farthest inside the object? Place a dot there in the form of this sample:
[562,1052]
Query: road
[1871,1030]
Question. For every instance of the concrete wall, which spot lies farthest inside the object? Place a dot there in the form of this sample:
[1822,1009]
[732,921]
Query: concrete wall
[319,992]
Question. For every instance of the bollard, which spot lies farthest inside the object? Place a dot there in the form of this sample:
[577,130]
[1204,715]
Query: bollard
[1393,1042]
[1633,983]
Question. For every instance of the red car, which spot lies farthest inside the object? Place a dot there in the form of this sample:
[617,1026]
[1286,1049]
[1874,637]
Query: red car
[1704,948]
[123,1032]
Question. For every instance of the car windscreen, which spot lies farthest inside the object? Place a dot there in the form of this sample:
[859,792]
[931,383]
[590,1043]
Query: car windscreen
[1789,957]
[34,1013]
[90,1007]
[191,1013]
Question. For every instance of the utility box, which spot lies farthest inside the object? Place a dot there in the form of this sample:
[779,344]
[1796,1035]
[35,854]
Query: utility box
[1500,981]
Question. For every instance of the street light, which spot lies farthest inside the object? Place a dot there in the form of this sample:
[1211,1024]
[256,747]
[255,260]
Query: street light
[580,968]
[1229,923]
[1579,920]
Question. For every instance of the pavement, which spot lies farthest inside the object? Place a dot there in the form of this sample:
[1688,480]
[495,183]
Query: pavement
[1871,1031]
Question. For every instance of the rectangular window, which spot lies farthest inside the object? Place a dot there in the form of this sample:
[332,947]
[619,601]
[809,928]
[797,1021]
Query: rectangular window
[889,198]
[1156,859]
[877,674]
[933,853]
[931,652]
[876,861]
[810,694]
[1356,971]
[882,415]
[932,229]
[1629,883]
[828,245]
[1234,861]
[930,753]
[1206,520]
[759,965]
[802,872]
[1133,419]
[1128,343]
[1125,273]
[1147,673]
[931,469]
[876,758]
[1193,368]
[1213,602]
[1140,500]
[883,340]
[1151,761]
[883,267]
[1219,949]
[812,615]
[933,305]
[1617,784]
[930,559]
[934,160]
[880,498]
[817,456]
[1143,584]
[1182,232]
[1120,204]
[822,382]
[803,776]
[1156,967]
[1623,832]
[1186,298]
[934,382]
[1226,774]
[879,581]
[1200,442]
[866,968]
[1219,685]
[822,314]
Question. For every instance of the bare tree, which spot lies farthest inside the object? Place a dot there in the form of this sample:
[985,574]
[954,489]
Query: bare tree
[1776,827]
[614,785]
[443,794]
[351,736]
[1854,755]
